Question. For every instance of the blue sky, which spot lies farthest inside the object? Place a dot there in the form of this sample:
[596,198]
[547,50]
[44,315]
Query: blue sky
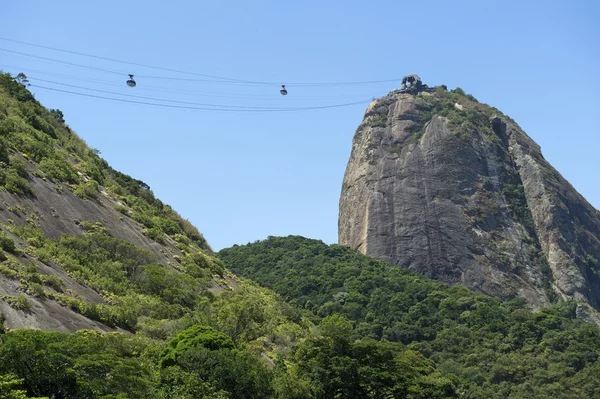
[241,176]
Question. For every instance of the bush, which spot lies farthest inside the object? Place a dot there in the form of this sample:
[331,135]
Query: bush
[122,209]
[143,219]
[87,190]
[59,168]
[4,151]
[19,166]
[16,184]
[168,226]
[6,242]
[18,302]
[154,233]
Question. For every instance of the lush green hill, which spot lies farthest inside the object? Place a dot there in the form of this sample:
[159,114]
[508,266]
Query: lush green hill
[491,349]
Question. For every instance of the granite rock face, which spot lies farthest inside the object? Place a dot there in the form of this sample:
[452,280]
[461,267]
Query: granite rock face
[453,189]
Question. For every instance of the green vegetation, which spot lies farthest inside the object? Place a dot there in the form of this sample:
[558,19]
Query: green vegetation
[465,118]
[6,242]
[18,302]
[517,204]
[38,140]
[10,387]
[488,348]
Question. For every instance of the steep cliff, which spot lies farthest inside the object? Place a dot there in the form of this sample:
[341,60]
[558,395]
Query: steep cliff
[448,187]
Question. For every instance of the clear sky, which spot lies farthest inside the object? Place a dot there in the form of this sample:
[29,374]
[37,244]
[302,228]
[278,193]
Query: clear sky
[242,176]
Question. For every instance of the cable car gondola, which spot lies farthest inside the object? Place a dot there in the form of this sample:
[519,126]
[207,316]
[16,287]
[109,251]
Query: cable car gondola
[130,81]
[283,91]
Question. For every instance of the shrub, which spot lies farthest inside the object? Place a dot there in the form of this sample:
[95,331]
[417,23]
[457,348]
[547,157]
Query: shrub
[16,184]
[87,190]
[180,238]
[19,166]
[36,290]
[32,234]
[18,302]
[143,219]
[59,168]
[52,281]
[154,233]
[4,151]
[6,242]
[122,209]
[168,226]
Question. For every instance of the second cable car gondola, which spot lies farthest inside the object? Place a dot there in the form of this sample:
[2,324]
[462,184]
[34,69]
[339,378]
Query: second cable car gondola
[283,91]
[130,81]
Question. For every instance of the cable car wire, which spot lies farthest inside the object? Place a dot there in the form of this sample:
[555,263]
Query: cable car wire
[172,90]
[220,79]
[123,62]
[151,98]
[62,62]
[203,108]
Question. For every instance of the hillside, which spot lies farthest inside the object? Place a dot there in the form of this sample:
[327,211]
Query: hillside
[488,348]
[68,219]
[453,189]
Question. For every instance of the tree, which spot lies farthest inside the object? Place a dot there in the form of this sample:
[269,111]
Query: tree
[22,79]
[9,387]
[58,114]
[366,368]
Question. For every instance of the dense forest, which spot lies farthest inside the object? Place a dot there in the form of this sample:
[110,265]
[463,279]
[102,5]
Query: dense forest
[488,348]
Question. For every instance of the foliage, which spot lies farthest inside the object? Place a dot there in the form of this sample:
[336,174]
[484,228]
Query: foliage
[87,190]
[18,302]
[343,368]
[9,387]
[490,348]
[86,364]
[211,356]
[517,203]
[58,167]
[55,152]
[6,242]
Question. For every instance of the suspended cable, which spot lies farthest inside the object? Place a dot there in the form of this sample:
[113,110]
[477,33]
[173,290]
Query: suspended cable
[154,98]
[186,92]
[124,62]
[220,79]
[203,108]
[62,62]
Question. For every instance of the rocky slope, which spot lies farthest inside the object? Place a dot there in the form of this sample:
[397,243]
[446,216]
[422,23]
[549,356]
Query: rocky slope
[451,188]
[83,246]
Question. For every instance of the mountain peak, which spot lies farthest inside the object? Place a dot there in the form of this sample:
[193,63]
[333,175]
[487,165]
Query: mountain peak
[446,186]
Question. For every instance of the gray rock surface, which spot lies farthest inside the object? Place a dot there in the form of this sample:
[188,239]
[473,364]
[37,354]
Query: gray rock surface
[58,212]
[450,188]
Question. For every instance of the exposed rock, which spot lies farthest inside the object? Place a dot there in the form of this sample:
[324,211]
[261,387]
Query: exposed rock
[58,212]
[450,188]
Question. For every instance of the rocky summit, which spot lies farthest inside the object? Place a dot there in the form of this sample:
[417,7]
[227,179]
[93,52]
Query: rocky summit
[451,188]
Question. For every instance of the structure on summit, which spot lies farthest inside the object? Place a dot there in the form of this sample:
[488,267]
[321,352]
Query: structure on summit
[412,84]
